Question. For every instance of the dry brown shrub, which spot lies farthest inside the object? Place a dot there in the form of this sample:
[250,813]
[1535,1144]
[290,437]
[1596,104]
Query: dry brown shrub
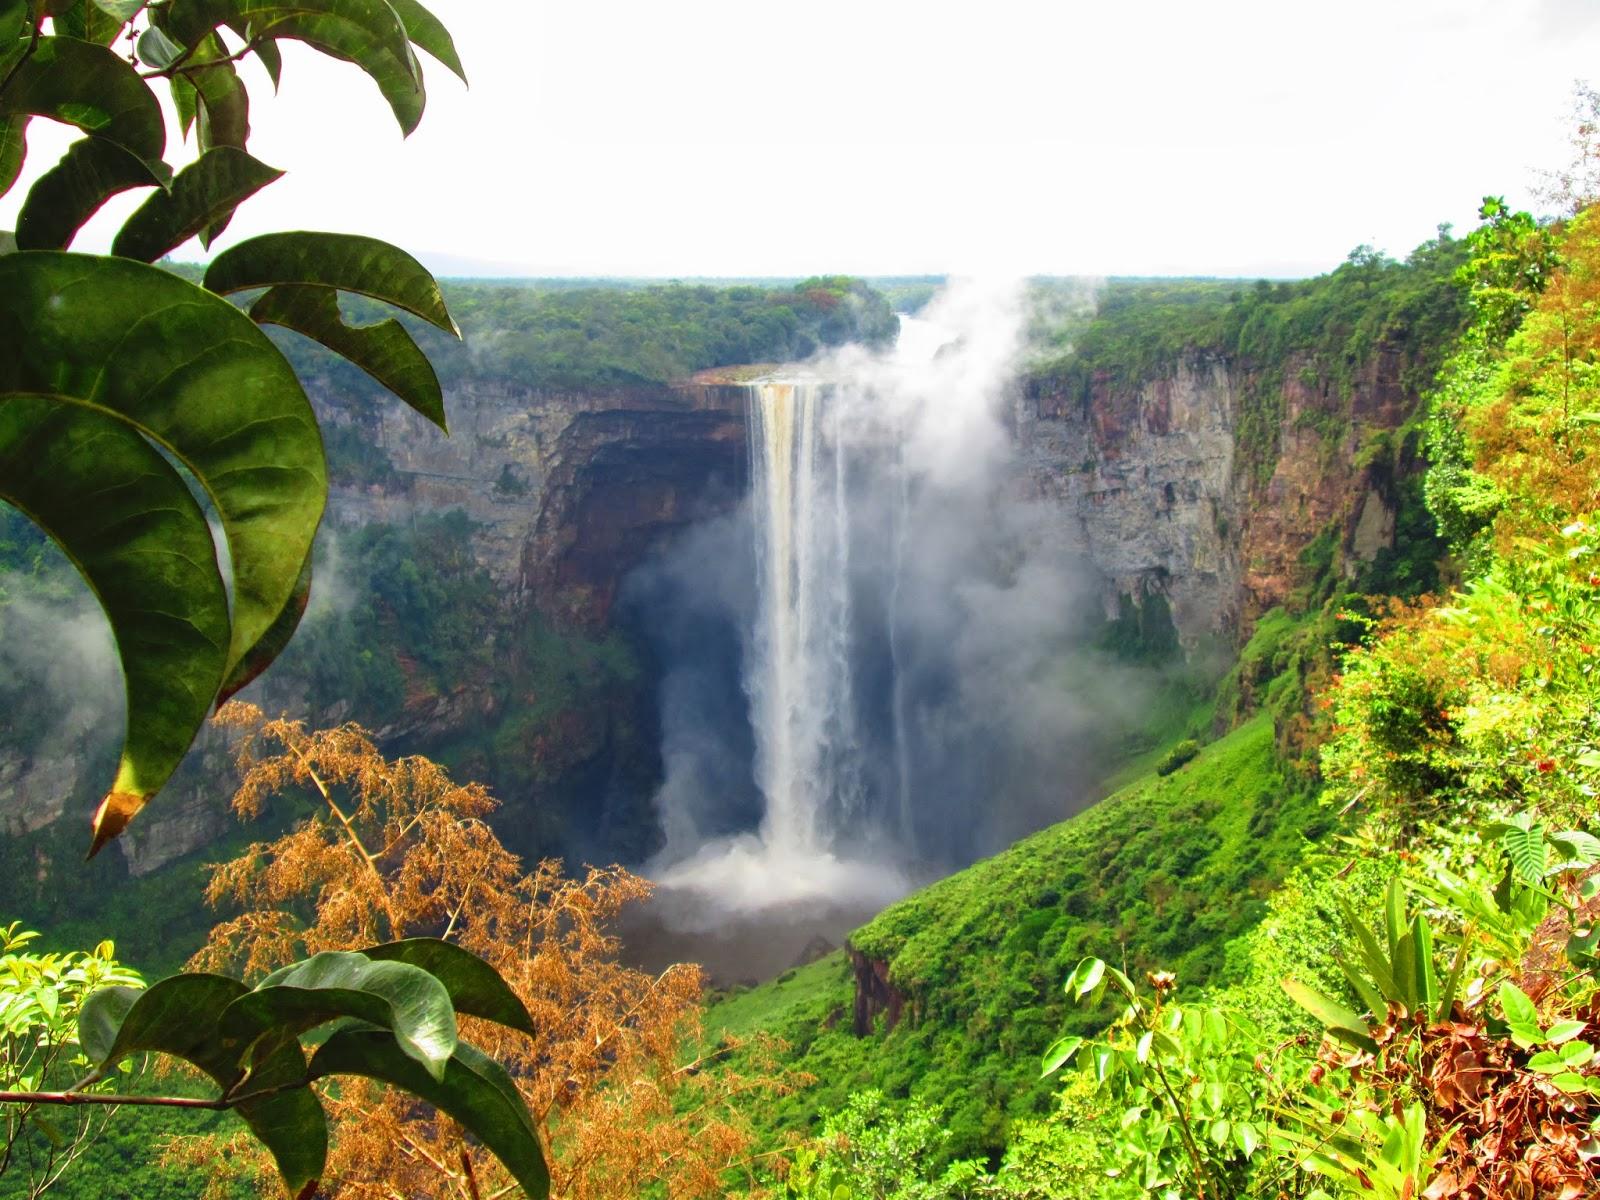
[397,849]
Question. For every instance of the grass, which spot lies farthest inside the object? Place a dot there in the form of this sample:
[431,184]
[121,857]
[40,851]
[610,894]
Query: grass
[1164,872]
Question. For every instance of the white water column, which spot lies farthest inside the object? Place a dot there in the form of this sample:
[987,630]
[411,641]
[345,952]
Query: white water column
[798,675]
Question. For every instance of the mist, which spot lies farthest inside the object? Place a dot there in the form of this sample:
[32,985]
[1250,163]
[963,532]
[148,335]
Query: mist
[933,712]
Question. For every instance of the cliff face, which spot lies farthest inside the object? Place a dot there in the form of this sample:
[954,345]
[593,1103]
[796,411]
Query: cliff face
[567,489]
[1206,483]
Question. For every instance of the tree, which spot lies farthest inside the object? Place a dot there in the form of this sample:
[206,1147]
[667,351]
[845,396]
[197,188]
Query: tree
[120,384]
[41,996]
[396,848]
[113,372]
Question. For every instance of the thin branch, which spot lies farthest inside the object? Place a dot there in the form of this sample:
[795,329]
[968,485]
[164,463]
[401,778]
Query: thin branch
[33,44]
[353,837]
[218,1104]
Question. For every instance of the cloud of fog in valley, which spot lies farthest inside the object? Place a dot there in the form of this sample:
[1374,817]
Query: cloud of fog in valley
[928,693]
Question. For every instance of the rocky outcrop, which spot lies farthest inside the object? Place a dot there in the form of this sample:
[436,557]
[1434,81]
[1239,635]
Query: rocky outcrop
[1206,483]
[567,489]
[1146,485]
[619,480]
[875,995]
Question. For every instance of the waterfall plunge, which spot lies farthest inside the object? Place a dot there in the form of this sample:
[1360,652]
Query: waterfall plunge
[858,467]
[798,676]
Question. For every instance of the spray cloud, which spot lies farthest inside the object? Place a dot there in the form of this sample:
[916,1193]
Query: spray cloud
[865,674]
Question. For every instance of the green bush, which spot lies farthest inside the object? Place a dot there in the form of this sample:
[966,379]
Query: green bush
[1180,754]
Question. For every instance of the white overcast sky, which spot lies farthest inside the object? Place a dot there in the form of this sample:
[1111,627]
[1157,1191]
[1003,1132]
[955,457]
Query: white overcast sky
[766,137]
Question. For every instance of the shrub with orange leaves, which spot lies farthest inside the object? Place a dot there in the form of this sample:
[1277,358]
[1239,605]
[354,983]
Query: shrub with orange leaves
[396,849]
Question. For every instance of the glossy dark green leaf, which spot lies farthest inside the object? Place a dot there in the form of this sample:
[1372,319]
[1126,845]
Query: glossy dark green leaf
[101,1016]
[367,33]
[428,32]
[290,1123]
[90,87]
[271,59]
[129,523]
[181,1016]
[261,656]
[91,172]
[88,20]
[395,71]
[475,987]
[342,983]
[224,109]
[383,350]
[121,11]
[345,261]
[186,101]
[188,370]
[374,20]
[204,191]
[157,50]
[178,1016]
[14,16]
[475,1090]
[13,149]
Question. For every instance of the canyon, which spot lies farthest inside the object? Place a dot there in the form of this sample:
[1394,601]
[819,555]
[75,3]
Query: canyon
[569,490]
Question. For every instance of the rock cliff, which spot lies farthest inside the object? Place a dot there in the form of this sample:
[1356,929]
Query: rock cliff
[1206,483]
[1202,483]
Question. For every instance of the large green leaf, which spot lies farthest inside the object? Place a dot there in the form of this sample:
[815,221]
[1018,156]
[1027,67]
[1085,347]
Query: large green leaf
[64,197]
[129,523]
[88,86]
[181,1016]
[344,983]
[222,110]
[101,1016]
[475,987]
[271,644]
[384,350]
[1521,1015]
[13,149]
[1426,996]
[1525,847]
[271,58]
[192,373]
[178,1016]
[396,72]
[185,101]
[206,190]
[88,20]
[1335,1017]
[475,1090]
[367,33]
[346,261]
[122,11]
[375,20]
[427,31]
[290,1123]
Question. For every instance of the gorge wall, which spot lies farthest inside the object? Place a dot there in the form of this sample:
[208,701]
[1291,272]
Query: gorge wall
[1165,495]
[1172,485]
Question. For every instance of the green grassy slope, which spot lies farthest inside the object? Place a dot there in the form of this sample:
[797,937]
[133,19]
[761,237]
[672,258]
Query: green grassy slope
[1166,871]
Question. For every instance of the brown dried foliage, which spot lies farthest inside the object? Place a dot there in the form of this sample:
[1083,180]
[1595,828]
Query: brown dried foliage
[1516,1136]
[397,849]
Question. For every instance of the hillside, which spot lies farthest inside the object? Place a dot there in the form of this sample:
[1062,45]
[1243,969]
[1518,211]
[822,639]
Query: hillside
[961,982]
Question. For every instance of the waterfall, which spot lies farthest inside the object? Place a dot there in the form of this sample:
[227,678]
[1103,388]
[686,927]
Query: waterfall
[798,676]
